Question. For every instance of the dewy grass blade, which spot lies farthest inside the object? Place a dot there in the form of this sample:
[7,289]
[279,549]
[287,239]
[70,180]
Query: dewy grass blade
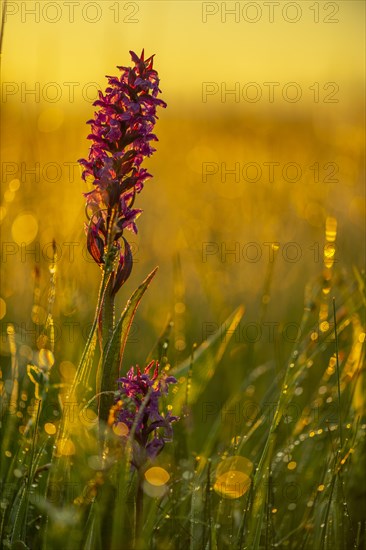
[262,474]
[338,376]
[8,425]
[206,358]
[92,529]
[19,530]
[82,373]
[3,16]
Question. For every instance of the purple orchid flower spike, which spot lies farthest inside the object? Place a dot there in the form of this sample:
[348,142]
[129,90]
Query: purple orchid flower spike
[121,135]
[137,405]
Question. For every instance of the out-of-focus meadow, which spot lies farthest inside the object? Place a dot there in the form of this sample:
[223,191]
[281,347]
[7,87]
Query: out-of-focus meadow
[262,143]
[222,230]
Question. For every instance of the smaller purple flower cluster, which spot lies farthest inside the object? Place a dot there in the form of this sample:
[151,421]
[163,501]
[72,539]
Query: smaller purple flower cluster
[121,135]
[138,405]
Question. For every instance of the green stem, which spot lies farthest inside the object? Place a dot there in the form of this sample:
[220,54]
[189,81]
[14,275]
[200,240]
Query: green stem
[107,325]
[108,314]
[105,400]
[338,376]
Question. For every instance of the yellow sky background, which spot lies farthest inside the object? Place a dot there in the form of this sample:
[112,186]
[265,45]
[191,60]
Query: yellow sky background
[188,50]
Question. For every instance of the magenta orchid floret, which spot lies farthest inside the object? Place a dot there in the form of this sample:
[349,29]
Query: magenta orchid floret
[139,399]
[121,138]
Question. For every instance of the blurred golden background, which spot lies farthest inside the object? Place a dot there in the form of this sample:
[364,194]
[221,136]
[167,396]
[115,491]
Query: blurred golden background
[262,140]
